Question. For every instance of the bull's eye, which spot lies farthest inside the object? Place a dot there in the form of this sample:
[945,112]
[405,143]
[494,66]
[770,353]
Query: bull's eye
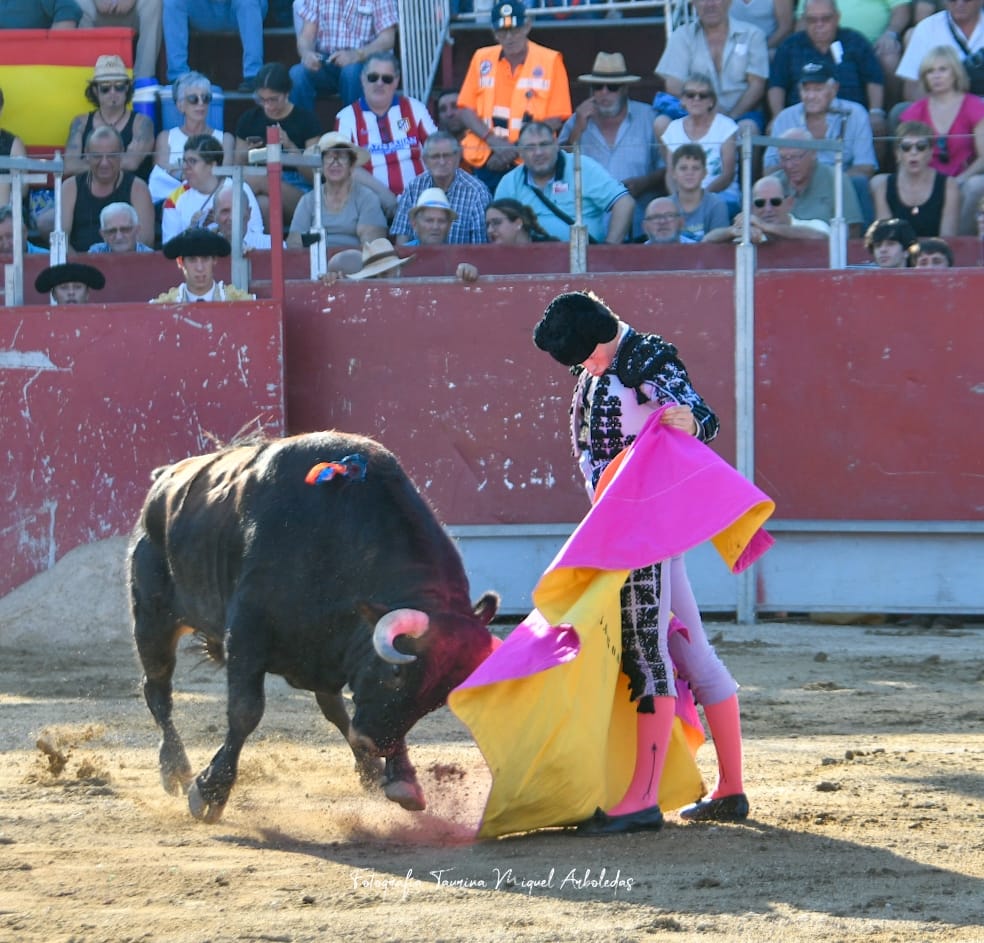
[397,672]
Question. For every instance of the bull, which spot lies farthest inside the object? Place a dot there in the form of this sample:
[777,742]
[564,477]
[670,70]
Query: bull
[315,558]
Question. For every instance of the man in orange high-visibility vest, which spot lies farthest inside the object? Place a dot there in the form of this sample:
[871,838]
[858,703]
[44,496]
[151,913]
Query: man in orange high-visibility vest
[508,85]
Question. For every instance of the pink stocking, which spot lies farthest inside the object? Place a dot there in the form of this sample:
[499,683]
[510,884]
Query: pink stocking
[653,739]
[724,719]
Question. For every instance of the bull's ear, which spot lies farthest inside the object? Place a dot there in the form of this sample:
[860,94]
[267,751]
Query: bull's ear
[487,607]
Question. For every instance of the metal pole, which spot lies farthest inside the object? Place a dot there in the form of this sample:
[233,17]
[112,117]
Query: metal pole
[579,232]
[745,363]
[58,241]
[274,176]
[240,273]
[15,279]
[838,225]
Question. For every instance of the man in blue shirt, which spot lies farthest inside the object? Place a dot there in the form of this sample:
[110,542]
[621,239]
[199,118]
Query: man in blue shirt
[846,52]
[545,182]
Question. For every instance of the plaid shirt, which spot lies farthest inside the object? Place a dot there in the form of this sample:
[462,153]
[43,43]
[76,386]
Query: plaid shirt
[468,197]
[343,25]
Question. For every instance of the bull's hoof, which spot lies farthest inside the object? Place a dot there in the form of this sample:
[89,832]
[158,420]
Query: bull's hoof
[208,812]
[175,781]
[407,793]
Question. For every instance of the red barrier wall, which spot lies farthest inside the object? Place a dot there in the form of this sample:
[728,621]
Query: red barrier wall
[870,385]
[870,392]
[92,398]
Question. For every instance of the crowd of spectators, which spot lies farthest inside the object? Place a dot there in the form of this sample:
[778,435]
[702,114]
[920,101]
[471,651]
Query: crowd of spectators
[509,157]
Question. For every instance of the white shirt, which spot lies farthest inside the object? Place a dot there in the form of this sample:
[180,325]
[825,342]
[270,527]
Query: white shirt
[935,31]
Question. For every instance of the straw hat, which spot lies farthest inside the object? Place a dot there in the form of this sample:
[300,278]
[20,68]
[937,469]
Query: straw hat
[609,69]
[334,140]
[379,256]
[433,198]
[110,69]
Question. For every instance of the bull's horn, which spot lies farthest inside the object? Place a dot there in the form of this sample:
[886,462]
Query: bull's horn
[410,622]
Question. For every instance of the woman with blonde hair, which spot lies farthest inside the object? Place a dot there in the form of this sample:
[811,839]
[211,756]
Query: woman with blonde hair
[956,119]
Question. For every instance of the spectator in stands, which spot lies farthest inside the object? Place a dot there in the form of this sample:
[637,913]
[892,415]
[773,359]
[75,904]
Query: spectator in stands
[192,205]
[7,235]
[545,181]
[449,118]
[105,182]
[845,52]
[377,258]
[69,283]
[507,86]
[431,219]
[960,26]
[812,184]
[40,14]
[930,252]
[10,146]
[390,126]
[956,118]
[511,223]
[334,41]
[700,211]
[119,226]
[298,128]
[662,222]
[223,219]
[192,95]
[883,23]
[110,91]
[468,195]
[888,241]
[351,214]
[195,251]
[714,132]
[916,192]
[733,53]
[617,132]
[775,18]
[830,118]
[144,17]
[239,16]
[772,218]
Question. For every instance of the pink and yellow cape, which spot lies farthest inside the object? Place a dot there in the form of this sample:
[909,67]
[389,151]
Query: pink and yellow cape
[550,708]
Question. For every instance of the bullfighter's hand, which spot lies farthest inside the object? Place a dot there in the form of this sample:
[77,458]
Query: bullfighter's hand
[682,418]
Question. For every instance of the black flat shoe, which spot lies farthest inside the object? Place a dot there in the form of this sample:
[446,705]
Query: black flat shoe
[601,823]
[726,809]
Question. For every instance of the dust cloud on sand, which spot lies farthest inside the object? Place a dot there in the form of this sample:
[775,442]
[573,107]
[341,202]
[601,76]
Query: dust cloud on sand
[864,768]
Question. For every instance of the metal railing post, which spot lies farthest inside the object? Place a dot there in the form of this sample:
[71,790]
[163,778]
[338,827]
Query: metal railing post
[579,232]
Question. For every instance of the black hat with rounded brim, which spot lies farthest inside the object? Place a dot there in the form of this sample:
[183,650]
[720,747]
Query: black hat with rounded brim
[197,242]
[573,324]
[68,272]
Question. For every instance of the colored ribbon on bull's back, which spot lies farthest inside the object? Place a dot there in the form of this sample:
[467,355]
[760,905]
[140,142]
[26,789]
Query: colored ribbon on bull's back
[44,74]
[550,707]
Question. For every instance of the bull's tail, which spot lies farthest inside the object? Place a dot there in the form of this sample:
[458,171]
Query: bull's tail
[208,650]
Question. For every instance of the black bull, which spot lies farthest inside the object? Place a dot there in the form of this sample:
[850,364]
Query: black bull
[349,579]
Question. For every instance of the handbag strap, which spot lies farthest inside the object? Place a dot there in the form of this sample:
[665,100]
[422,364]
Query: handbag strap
[961,42]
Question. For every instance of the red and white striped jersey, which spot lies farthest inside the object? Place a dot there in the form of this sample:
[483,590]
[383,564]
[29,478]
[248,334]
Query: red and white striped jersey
[394,140]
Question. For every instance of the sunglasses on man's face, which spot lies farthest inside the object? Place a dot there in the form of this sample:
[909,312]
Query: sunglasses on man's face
[373,77]
[604,87]
[205,98]
[920,146]
[106,88]
[700,96]
[761,201]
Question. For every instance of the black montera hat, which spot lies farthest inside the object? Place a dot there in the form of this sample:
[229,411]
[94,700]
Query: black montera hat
[573,324]
[197,242]
[68,272]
